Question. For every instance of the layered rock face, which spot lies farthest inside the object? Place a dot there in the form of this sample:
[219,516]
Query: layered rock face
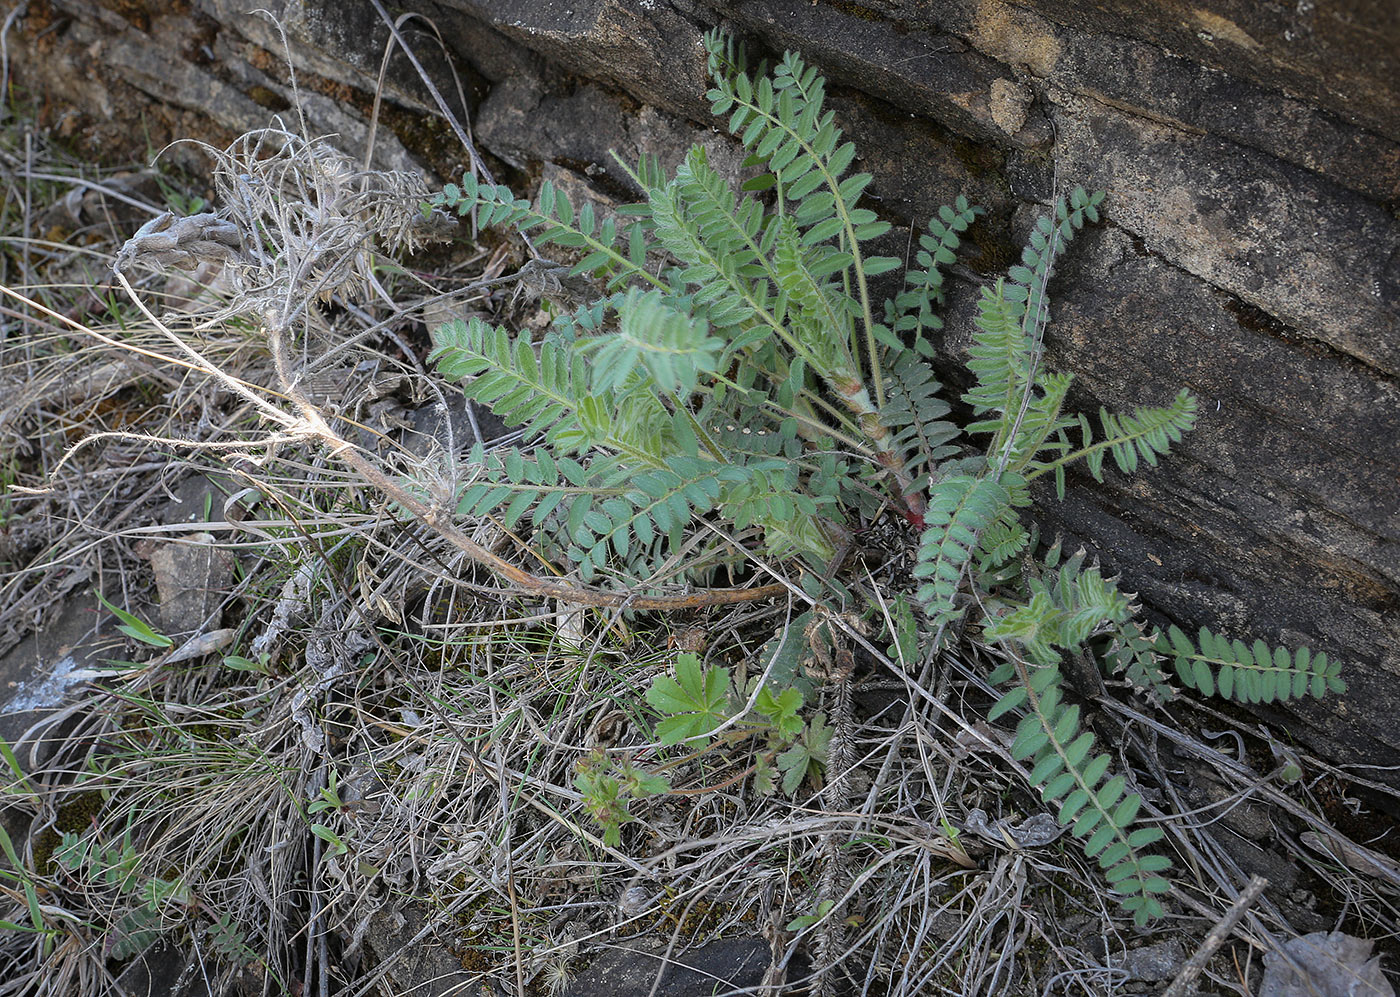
[1251,152]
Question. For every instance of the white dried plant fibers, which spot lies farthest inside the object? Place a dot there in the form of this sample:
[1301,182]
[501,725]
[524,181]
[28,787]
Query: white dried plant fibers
[298,220]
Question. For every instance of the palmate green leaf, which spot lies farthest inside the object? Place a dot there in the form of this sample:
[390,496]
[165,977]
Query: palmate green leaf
[781,710]
[694,701]
[806,757]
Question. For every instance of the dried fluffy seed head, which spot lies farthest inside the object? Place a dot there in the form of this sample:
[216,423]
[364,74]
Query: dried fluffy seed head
[299,220]
[167,242]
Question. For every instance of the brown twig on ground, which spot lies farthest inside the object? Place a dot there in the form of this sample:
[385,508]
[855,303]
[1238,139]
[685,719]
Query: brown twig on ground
[1187,976]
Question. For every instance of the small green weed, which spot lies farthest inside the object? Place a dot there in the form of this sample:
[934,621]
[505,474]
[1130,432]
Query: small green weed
[695,702]
[701,709]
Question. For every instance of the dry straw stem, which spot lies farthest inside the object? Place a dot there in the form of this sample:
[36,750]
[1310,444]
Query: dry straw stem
[439,521]
[1197,963]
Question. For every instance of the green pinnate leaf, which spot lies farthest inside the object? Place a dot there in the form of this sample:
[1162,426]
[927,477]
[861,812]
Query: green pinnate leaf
[1047,766]
[1012,699]
[1058,786]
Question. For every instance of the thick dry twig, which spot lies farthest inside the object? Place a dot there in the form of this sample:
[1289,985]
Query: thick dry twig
[1187,976]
